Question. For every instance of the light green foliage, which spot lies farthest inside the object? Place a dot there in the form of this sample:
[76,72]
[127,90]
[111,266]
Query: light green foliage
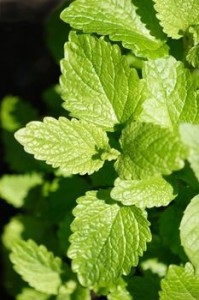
[193,56]
[15,188]
[168,93]
[189,232]
[119,292]
[130,126]
[22,227]
[119,20]
[91,68]
[32,294]
[37,266]
[180,284]
[189,134]
[73,291]
[107,239]
[176,16]
[193,46]
[149,150]
[150,192]
[74,146]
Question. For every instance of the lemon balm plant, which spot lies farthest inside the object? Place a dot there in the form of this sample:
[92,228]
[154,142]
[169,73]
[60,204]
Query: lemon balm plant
[130,83]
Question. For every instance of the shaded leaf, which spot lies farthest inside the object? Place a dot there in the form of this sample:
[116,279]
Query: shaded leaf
[15,188]
[189,134]
[189,232]
[149,150]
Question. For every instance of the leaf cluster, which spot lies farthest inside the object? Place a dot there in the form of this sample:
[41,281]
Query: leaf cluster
[121,208]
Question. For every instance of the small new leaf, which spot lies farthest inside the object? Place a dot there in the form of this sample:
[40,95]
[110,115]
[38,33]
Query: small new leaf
[37,266]
[97,83]
[74,146]
[119,20]
[189,134]
[180,284]
[176,16]
[189,232]
[154,191]
[107,239]
[149,150]
[168,94]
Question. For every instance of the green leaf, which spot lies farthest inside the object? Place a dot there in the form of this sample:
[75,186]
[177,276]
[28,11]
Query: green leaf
[189,232]
[23,227]
[97,83]
[176,17]
[37,266]
[31,294]
[189,134]
[150,192]
[15,188]
[180,284]
[169,93]
[193,56]
[74,146]
[107,239]
[119,20]
[149,150]
[193,46]
[119,291]
[15,113]
[71,290]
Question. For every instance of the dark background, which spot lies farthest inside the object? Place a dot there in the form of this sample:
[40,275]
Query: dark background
[26,64]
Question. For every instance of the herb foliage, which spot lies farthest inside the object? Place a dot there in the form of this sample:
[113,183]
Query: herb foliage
[122,203]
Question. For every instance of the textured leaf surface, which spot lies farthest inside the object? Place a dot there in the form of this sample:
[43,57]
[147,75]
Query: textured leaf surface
[149,150]
[15,188]
[97,83]
[154,191]
[107,239]
[176,16]
[115,18]
[180,284]
[37,266]
[169,93]
[190,137]
[189,232]
[74,146]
